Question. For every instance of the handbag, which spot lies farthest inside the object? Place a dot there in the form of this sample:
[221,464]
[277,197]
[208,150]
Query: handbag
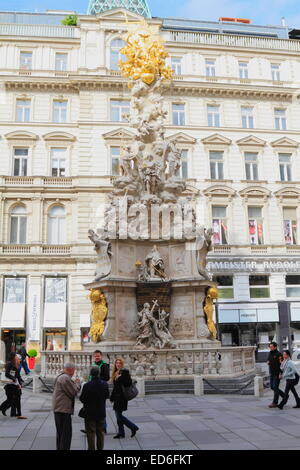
[296,378]
[82,412]
[130,392]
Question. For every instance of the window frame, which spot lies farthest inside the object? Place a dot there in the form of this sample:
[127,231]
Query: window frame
[60,109]
[14,158]
[213,116]
[280,121]
[19,217]
[210,69]
[251,165]
[218,164]
[24,108]
[25,65]
[259,286]
[119,109]
[247,117]
[243,71]
[223,225]
[66,63]
[258,223]
[51,148]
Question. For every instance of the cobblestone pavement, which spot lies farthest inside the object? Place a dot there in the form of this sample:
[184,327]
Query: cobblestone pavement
[171,422]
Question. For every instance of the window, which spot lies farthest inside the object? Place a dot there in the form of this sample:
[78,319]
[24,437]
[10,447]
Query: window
[183,170]
[255,225]
[225,286]
[178,114]
[61,60]
[60,111]
[275,70]
[20,162]
[216,165]
[57,225]
[285,166]
[26,60]
[58,162]
[259,287]
[280,119]
[247,117]
[251,166]
[115,54]
[115,160]
[18,225]
[55,290]
[213,115]
[23,110]
[243,69]
[119,110]
[176,65]
[292,286]
[14,290]
[290,225]
[210,67]
[219,225]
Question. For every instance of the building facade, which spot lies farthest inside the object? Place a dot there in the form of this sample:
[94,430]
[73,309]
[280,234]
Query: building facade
[234,109]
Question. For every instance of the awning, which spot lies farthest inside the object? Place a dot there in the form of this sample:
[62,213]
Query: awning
[55,315]
[13,315]
[85,320]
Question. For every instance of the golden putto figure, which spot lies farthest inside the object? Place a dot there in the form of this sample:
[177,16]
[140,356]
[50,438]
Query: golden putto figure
[145,54]
[208,308]
[99,313]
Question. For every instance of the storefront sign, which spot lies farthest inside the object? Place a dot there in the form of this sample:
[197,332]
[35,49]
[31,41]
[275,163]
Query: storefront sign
[248,316]
[55,315]
[267,315]
[34,313]
[256,314]
[13,315]
[295,313]
[228,316]
[253,266]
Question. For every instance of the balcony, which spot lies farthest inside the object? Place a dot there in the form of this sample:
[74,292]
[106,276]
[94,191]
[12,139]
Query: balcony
[231,40]
[35,30]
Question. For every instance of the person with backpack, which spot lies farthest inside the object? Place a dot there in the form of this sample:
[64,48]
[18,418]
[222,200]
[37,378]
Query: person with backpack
[291,376]
[274,361]
[121,382]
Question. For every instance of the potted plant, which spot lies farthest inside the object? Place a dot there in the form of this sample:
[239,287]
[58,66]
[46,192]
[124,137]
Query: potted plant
[70,20]
[32,353]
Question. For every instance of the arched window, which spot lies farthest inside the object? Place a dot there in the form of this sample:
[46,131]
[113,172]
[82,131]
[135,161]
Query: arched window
[115,55]
[57,226]
[18,225]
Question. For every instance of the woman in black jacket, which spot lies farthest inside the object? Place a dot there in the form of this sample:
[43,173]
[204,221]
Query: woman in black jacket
[121,378]
[13,389]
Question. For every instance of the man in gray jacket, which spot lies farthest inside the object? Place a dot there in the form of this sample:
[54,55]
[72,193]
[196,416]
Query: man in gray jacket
[65,390]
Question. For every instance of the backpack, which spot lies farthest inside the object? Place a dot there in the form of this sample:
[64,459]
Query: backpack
[296,378]
[130,392]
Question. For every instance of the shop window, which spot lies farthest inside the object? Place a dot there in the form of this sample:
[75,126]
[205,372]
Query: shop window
[259,287]
[266,333]
[290,225]
[55,340]
[292,286]
[225,286]
[255,225]
[219,224]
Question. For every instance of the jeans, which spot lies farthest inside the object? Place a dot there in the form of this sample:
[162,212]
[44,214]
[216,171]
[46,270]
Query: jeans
[25,367]
[290,386]
[121,420]
[13,400]
[63,423]
[95,430]
[274,384]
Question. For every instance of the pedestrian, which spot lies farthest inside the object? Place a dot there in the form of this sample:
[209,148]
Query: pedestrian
[291,376]
[93,396]
[23,353]
[13,388]
[121,378]
[65,391]
[274,370]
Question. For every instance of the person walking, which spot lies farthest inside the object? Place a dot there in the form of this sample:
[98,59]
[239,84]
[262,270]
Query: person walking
[121,378]
[289,373]
[274,370]
[65,391]
[23,353]
[13,388]
[93,396]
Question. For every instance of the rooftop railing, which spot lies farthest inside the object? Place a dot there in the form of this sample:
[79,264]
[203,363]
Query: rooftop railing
[39,30]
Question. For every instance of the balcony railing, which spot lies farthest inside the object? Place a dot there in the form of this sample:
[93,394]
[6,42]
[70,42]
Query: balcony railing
[231,40]
[39,30]
[29,249]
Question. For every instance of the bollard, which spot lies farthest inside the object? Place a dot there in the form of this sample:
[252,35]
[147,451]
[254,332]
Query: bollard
[198,386]
[140,385]
[258,386]
[36,384]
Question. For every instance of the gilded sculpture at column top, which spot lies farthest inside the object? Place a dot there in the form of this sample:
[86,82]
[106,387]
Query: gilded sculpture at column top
[99,314]
[208,308]
[145,54]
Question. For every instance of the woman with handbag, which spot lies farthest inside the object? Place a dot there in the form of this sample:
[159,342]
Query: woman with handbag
[289,373]
[121,379]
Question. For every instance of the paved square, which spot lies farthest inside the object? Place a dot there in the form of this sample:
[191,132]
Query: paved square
[179,422]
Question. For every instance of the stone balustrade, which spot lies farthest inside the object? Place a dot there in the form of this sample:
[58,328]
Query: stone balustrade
[27,30]
[225,361]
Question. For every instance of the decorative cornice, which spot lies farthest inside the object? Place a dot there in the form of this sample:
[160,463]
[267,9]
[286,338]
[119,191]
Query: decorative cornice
[216,139]
[251,140]
[284,142]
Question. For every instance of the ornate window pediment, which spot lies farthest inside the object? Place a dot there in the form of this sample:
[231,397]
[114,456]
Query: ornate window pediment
[289,192]
[251,140]
[216,139]
[120,13]
[22,136]
[118,134]
[257,192]
[285,142]
[182,138]
[218,190]
[59,137]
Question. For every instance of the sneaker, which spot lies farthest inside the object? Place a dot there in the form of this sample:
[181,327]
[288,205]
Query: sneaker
[273,405]
[119,436]
[133,433]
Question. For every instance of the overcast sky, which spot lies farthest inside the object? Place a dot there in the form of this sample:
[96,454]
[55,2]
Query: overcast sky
[259,11]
